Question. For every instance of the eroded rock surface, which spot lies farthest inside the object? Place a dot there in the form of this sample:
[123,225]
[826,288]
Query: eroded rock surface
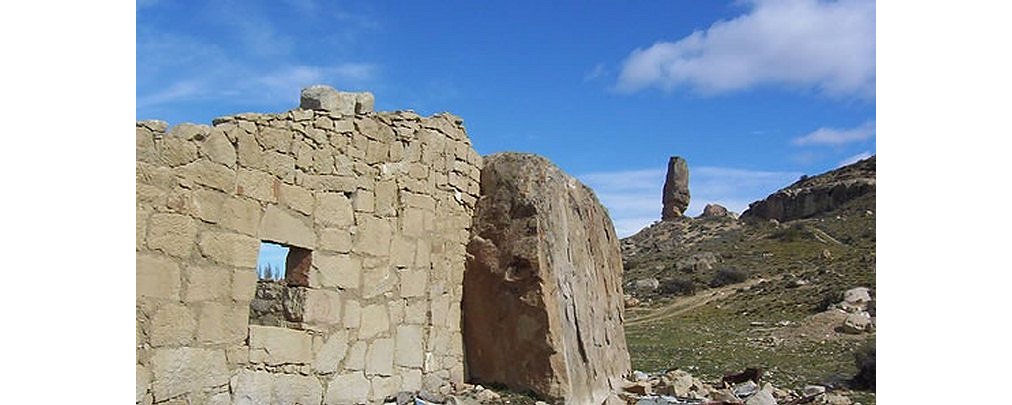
[543,302]
[814,195]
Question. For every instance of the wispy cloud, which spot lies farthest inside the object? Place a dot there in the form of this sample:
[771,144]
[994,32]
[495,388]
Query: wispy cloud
[633,197]
[255,61]
[853,159]
[809,44]
[597,72]
[837,136]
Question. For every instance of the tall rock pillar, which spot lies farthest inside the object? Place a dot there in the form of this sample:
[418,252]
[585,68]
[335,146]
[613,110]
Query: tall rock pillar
[676,189]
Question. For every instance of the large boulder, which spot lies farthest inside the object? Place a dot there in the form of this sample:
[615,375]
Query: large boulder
[676,189]
[543,301]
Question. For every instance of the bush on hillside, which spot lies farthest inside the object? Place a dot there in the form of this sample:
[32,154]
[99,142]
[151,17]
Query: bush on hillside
[678,285]
[793,233]
[728,275]
[864,358]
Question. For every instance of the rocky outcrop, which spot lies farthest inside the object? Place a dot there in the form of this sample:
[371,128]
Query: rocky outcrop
[815,195]
[676,189]
[543,302]
[715,211]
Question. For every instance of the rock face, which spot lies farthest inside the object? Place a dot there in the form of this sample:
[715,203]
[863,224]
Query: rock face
[543,302]
[814,195]
[676,189]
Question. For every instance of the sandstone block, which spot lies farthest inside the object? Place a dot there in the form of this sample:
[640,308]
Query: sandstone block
[157,277]
[374,321]
[330,355]
[377,280]
[241,215]
[181,370]
[143,382]
[218,148]
[379,359]
[352,388]
[210,174]
[297,389]
[297,198]
[414,283]
[176,152]
[334,209]
[352,314]
[322,97]
[409,346]
[207,283]
[190,132]
[336,239]
[279,225]
[355,360]
[258,185]
[244,284]
[279,139]
[373,237]
[229,248]
[364,102]
[386,198]
[521,331]
[172,233]
[207,205]
[338,271]
[249,152]
[383,387]
[322,307]
[274,345]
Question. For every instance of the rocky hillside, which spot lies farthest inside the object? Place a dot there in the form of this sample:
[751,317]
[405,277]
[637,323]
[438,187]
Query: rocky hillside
[716,294]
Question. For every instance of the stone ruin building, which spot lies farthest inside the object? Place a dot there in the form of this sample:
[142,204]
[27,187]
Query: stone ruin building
[392,221]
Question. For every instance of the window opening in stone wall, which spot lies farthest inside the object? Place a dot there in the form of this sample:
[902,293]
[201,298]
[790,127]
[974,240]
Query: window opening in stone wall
[283,275]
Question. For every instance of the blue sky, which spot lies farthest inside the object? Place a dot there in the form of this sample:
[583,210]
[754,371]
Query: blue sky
[752,94]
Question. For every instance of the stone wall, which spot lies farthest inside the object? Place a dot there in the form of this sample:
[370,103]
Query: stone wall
[382,201]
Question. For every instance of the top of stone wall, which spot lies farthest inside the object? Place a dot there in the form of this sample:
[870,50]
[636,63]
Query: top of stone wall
[323,97]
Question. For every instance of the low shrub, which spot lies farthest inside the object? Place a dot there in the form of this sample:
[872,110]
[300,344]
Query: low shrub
[728,275]
[678,285]
[864,358]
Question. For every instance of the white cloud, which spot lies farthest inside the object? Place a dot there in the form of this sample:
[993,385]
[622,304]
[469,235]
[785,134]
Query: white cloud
[837,136]
[828,46]
[853,159]
[633,197]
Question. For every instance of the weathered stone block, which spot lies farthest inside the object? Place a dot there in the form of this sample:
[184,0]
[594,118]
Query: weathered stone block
[336,239]
[374,321]
[207,205]
[230,248]
[352,314]
[278,139]
[297,198]
[409,346]
[379,359]
[172,233]
[386,198]
[172,324]
[330,355]
[210,174]
[241,215]
[176,152]
[181,370]
[218,148]
[346,389]
[273,345]
[334,209]
[279,225]
[207,283]
[413,282]
[257,184]
[355,361]
[244,284]
[338,271]
[322,307]
[377,280]
[321,97]
[157,277]
[373,237]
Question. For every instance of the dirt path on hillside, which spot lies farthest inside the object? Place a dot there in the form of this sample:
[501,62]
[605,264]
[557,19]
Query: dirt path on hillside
[682,305]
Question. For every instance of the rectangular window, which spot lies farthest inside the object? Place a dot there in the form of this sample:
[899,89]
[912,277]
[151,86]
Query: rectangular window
[283,273]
